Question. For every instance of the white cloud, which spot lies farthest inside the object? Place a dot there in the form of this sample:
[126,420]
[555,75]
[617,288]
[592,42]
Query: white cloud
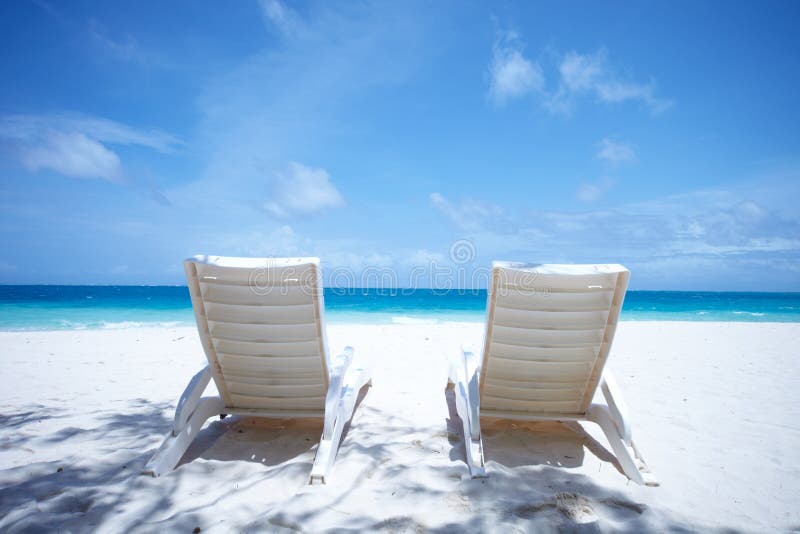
[468,214]
[615,151]
[592,192]
[697,233]
[75,145]
[297,93]
[576,75]
[281,241]
[27,128]
[279,15]
[424,257]
[73,154]
[617,91]
[300,190]
[127,49]
[512,75]
[589,74]
[120,134]
[589,192]
[580,73]
[355,262]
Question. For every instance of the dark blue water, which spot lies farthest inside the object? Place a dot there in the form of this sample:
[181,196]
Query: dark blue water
[78,307]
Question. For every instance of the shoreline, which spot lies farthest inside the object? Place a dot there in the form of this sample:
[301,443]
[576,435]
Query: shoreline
[421,322]
[712,404]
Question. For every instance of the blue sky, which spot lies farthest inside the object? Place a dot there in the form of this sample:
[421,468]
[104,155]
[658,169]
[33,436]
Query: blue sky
[387,135]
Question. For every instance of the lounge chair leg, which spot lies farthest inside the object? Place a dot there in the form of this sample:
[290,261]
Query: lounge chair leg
[631,461]
[329,442]
[337,415]
[175,445]
[463,376]
[357,377]
[475,457]
[473,440]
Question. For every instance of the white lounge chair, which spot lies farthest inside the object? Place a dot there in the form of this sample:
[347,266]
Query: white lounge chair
[261,326]
[548,334]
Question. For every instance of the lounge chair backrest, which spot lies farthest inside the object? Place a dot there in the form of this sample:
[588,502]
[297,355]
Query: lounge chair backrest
[261,326]
[549,332]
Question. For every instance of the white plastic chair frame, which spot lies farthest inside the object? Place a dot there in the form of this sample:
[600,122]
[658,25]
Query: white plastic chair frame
[344,377]
[610,413]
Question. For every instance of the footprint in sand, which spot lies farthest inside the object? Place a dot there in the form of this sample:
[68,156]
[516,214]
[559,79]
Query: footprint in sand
[573,506]
[578,508]
[529,511]
[65,503]
[458,502]
[630,506]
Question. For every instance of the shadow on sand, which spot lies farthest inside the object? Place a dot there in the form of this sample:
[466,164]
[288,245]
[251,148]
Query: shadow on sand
[527,489]
[527,443]
[256,439]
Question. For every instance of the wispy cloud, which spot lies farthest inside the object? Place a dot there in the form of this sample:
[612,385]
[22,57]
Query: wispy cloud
[301,190]
[292,99]
[28,127]
[468,214]
[126,49]
[511,74]
[615,152]
[48,8]
[75,145]
[590,74]
[279,15]
[592,192]
[281,240]
[72,154]
[696,232]
[574,76]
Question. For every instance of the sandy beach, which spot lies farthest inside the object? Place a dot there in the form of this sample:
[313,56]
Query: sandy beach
[714,408]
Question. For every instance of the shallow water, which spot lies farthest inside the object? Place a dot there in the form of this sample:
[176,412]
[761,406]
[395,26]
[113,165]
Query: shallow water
[81,307]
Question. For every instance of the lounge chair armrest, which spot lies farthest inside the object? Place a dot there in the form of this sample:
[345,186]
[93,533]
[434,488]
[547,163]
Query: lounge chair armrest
[616,404]
[471,384]
[338,369]
[462,365]
[472,363]
[340,364]
[190,398]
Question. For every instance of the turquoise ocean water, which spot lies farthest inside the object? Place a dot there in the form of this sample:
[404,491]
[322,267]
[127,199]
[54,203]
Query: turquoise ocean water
[80,307]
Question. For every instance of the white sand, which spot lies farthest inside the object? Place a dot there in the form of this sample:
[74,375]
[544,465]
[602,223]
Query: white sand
[715,411]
